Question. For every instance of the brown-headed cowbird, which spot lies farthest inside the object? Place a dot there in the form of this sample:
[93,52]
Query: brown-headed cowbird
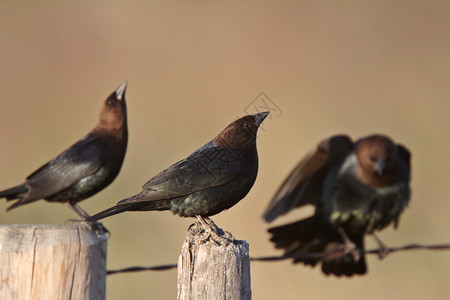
[85,168]
[356,188]
[212,179]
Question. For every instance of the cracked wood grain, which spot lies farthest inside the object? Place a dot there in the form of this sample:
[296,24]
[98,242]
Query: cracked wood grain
[213,266]
[52,262]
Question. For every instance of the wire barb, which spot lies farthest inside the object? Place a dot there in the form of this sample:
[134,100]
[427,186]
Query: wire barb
[337,254]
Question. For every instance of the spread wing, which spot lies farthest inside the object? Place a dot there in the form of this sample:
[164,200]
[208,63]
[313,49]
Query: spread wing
[80,160]
[207,167]
[304,184]
[405,156]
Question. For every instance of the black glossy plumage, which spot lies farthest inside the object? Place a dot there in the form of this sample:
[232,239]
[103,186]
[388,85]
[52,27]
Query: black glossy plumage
[85,168]
[358,187]
[213,178]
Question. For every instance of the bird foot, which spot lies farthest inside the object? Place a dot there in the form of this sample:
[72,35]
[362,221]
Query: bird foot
[209,224]
[209,231]
[72,221]
[97,227]
[383,249]
[348,247]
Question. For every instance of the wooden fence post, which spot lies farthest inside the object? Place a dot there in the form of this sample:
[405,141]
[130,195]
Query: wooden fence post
[213,267]
[52,262]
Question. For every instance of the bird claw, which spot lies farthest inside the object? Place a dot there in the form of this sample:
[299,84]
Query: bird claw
[383,250]
[97,227]
[206,230]
[73,221]
[348,247]
[351,250]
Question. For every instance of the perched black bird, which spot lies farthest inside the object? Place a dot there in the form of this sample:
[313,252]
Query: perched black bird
[85,168]
[357,188]
[213,178]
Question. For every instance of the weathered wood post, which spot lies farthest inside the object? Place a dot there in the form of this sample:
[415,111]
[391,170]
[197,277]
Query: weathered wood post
[52,262]
[213,266]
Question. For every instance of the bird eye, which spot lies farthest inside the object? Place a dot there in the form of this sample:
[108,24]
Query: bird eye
[110,102]
[372,158]
[246,124]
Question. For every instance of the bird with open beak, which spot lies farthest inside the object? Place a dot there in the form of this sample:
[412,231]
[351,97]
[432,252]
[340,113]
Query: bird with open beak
[356,188]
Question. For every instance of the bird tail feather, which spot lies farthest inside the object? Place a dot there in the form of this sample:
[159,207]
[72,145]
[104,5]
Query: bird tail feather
[123,206]
[14,192]
[312,236]
[107,213]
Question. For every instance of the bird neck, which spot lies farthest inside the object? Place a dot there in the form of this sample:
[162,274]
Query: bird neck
[117,132]
[373,180]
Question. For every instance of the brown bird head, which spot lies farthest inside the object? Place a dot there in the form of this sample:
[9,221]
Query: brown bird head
[377,156]
[241,134]
[113,117]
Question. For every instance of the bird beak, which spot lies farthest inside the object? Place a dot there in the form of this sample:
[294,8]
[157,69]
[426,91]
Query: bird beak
[379,166]
[120,92]
[259,118]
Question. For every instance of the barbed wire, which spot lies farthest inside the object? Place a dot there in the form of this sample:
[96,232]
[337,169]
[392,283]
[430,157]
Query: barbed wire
[140,269]
[381,252]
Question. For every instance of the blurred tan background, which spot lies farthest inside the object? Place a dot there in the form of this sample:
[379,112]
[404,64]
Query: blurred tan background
[357,67]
